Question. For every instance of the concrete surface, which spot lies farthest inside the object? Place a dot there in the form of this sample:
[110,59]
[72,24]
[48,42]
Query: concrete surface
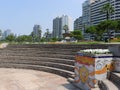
[20,79]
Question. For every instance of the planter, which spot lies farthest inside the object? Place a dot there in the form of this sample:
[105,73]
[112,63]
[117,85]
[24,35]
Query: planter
[90,67]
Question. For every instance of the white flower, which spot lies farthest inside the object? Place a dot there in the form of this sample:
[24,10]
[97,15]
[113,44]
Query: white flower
[95,51]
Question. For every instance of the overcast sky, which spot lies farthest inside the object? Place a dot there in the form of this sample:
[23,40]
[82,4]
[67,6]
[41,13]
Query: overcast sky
[21,15]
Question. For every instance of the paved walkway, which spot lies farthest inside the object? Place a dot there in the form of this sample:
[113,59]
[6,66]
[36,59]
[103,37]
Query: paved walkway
[20,79]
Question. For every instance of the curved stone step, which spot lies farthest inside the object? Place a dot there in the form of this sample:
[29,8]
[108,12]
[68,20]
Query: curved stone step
[38,52]
[102,85]
[42,48]
[115,78]
[61,45]
[71,57]
[49,64]
[44,59]
[71,80]
[57,71]
[110,85]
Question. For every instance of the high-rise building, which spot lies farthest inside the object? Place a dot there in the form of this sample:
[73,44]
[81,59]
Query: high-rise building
[78,24]
[96,12]
[86,12]
[37,31]
[66,20]
[92,14]
[59,23]
[57,27]
[6,33]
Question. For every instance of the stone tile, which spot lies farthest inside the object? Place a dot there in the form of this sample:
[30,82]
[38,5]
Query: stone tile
[20,79]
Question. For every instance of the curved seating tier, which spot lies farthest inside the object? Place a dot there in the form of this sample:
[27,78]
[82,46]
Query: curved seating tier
[54,58]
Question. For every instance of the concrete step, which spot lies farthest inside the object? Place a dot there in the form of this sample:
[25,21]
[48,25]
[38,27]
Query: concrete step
[115,78]
[70,57]
[49,49]
[38,52]
[110,85]
[71,80]
[41,59]
[60,46]
[73,52]
[49,64]
[57,71]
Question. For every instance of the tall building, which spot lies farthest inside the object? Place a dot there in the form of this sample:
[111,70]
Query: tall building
[57,27]
[37,31]
[86,12]
[78,24]
[92,14]
[6,33]
[96,13]
[59,23]
[66,20]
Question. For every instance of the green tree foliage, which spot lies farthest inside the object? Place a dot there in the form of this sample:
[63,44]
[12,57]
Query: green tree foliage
[54,39]
[39,34]
[10,38]
[43,39]
[36,37]
[65,27]
[46,34]
[108,10]
[108,24]
[118,25]
[24,38]
[102,27]
[77,34]
[91,30]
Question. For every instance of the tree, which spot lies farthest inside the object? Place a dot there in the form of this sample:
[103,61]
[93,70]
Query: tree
[36,35]
[24,38]
[65,27]
[47,35]
[118,26]
[108,10]
[77,34]
[10,38]
[32,35]
[91,30]
[39,34]
[96,31]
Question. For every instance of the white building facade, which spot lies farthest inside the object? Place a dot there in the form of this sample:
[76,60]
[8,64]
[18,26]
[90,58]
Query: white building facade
[93,15]
[78,24]
[59,23]
[6,33]
[37,30]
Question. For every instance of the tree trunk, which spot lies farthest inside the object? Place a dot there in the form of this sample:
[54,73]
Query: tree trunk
[108,31]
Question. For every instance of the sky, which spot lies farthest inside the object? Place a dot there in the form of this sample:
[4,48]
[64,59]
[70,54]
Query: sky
[21,15]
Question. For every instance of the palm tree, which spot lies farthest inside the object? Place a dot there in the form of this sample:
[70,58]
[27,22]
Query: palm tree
[108,10]
[65,27]
[39,34]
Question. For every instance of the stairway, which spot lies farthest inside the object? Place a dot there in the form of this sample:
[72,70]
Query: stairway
[52,58]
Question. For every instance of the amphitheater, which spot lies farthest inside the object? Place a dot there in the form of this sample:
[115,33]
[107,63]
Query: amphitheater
[45,67]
